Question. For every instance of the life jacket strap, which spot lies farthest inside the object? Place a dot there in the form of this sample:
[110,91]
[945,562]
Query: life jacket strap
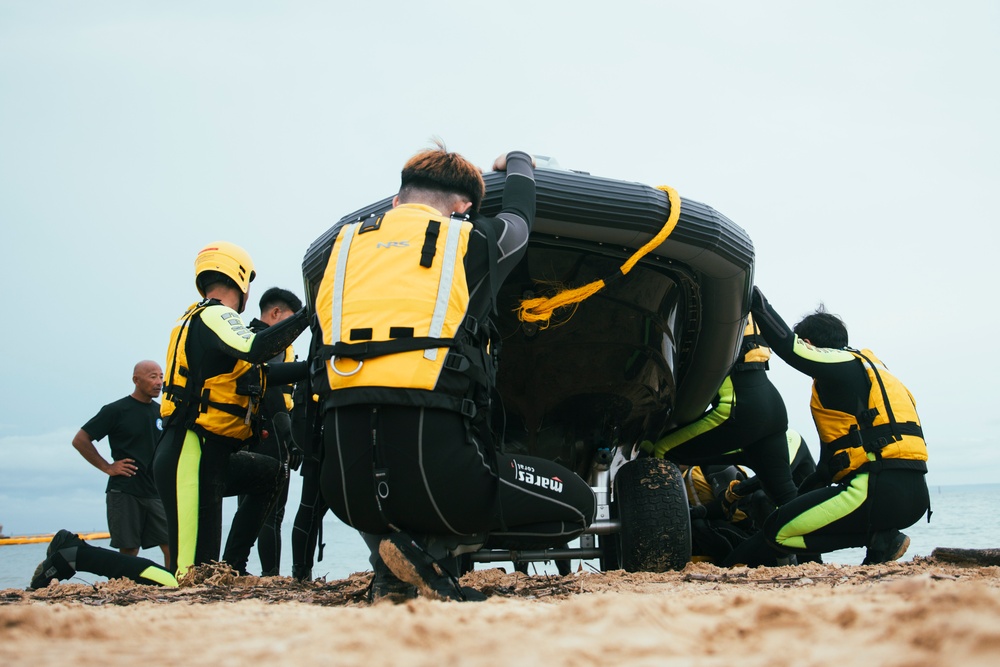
[874,438]
[370,349]
[856,445]
[752,342]
[465,406]
[225,407]
[750,366]
[430,243]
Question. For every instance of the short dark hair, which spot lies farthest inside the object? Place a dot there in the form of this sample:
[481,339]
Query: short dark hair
[206,280]
[276,296]
[438,170]
[822,329]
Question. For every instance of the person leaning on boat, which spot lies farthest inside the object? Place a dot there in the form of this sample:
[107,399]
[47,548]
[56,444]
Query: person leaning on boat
[405,370]
[870,479]
[746,425]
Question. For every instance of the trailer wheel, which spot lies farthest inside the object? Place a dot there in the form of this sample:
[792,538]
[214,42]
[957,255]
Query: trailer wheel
[651,502]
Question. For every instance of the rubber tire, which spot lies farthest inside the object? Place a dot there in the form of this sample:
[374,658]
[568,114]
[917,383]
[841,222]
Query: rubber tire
[652,504]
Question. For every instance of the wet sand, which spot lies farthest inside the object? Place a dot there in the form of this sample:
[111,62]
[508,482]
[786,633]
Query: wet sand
[917,613]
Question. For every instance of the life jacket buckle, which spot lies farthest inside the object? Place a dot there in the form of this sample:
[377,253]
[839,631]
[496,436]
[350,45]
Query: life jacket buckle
[333,365]
[869,415]
[456,362]
[875,446]
[370,224]
[839,461]
[469,408]
[471,325]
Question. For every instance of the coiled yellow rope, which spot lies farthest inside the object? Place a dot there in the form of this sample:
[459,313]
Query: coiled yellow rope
[540,309]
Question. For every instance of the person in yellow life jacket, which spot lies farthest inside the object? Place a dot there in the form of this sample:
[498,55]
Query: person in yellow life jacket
[728,505]
[405,363]
[716,528]
[745,426]
[870,480]
[213,385]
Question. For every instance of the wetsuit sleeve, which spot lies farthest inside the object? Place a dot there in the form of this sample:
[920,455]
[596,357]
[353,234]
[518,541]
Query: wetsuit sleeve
[234,338]
[286,372]
[517,208]
[816,362]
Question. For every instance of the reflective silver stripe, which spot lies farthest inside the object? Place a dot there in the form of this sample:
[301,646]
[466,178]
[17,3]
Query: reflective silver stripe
[444,286]
[337,309]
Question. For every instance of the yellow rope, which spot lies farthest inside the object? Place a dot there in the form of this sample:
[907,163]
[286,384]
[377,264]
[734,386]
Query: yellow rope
[540,309]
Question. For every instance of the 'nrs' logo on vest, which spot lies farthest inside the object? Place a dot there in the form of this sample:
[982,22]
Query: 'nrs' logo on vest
[393,244]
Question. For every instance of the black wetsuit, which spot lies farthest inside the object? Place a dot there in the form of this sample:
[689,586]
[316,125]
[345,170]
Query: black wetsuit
[267,442]
[747,426]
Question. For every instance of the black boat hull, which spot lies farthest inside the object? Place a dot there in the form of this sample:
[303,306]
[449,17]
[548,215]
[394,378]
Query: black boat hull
[647,352]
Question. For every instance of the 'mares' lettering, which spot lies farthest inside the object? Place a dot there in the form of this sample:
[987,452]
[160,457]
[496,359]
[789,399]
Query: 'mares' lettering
[527,475]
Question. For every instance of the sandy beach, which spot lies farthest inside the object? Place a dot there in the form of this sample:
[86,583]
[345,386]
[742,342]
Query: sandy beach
[922,612]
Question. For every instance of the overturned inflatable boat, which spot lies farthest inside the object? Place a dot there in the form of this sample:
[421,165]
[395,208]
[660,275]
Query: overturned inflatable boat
[647,351]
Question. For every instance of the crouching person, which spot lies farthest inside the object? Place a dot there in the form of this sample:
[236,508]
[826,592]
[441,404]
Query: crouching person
[405,370]
[870,478]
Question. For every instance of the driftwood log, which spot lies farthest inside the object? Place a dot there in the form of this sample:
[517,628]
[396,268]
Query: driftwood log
[967,556]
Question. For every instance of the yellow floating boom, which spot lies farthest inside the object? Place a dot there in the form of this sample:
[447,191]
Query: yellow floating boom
[35,539]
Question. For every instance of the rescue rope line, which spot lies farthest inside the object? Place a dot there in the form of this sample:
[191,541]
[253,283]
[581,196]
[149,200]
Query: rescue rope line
[540,309]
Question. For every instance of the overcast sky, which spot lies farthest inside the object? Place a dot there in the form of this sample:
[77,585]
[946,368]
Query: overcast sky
[856,142]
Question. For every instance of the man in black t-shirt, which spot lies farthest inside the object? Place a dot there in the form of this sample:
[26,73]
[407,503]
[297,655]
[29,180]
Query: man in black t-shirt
[133,426]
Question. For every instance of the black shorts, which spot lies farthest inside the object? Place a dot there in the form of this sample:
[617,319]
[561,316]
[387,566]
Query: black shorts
[136,522]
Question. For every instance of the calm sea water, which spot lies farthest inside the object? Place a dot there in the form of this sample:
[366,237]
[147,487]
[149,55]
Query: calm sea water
[963,517]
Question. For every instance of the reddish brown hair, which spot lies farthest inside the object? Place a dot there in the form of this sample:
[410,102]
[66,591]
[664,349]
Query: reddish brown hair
[437,169]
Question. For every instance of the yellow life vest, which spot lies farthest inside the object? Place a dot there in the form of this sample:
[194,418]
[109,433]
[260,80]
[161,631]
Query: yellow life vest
[700,491]
[223,404]
[392,311]
[889,429]
[754,354]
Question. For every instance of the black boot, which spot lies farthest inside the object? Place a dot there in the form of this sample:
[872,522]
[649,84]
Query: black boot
[886,546]
[387,586]
[415,566]
[60,561]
